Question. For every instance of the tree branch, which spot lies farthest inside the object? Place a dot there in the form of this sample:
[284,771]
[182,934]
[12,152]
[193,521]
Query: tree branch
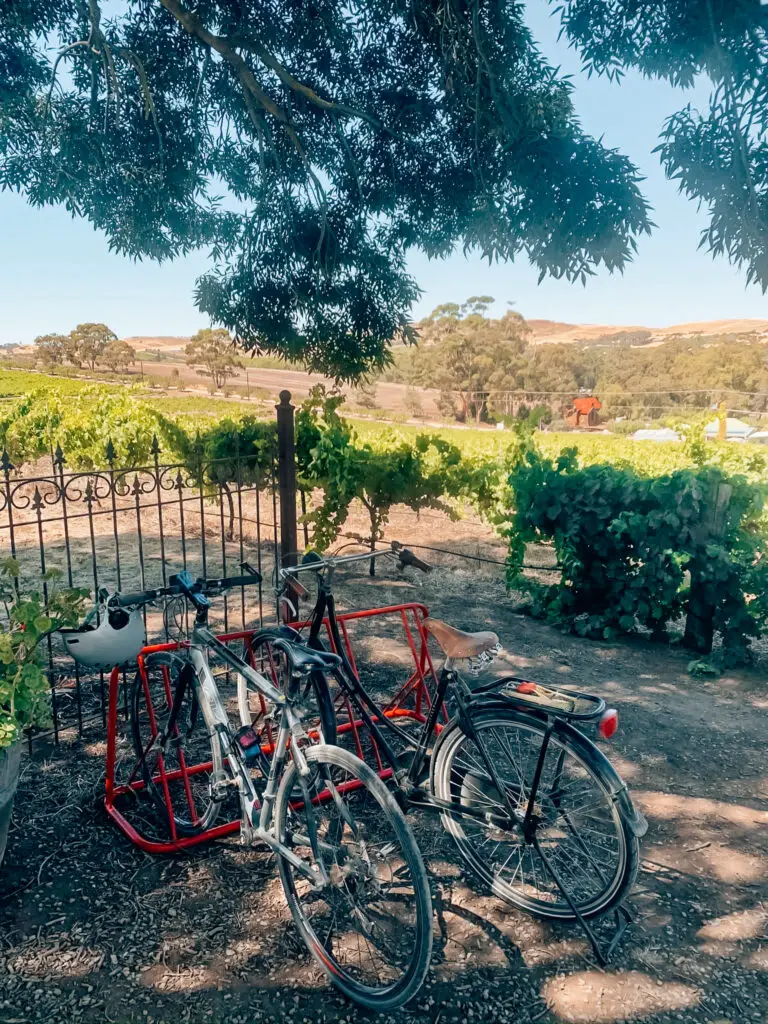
[246,77]
[285,76]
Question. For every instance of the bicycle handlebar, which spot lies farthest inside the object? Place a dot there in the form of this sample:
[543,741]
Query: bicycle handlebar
[317,564]
[179,586]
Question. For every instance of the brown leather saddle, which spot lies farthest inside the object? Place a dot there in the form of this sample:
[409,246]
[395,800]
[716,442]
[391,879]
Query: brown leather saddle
[458,644]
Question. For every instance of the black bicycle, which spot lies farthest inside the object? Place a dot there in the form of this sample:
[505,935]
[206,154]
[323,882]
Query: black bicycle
[535,808]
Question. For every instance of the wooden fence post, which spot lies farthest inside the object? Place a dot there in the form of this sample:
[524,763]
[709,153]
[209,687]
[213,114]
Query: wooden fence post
[699,621]
[286,480]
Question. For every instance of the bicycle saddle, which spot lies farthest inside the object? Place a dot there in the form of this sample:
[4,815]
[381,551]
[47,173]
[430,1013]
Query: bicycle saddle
[305,659]
[458,644]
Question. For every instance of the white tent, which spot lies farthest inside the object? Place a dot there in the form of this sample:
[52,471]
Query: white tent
[659,434]
[733,428]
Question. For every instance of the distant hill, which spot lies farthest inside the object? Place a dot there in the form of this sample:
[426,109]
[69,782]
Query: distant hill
[165,342]
[544,332]
[552,331]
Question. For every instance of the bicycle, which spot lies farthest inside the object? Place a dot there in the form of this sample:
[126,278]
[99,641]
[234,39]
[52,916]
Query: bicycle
[518,785]
[352,873]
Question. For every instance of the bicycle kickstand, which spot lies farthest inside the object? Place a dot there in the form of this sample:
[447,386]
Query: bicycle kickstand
[622,915]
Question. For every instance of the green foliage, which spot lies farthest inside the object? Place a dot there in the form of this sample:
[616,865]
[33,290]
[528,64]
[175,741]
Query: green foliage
[680,376]
[364,395]
[29,618]
[213,353]
[387,471]
[15,383]
[412,403]
[466,355]
[703,669]
[625,543]
[83,424]
[51,348]
[118,355]
[352,136]
[716,153]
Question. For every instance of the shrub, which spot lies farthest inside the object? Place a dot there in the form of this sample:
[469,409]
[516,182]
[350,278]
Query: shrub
[28,620]
[626,544]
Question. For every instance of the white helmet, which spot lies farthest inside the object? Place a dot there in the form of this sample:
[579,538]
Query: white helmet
[115,641]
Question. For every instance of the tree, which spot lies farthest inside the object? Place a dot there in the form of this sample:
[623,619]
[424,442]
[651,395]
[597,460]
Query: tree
[718,155]
[213,353]
[412,402]
[365,396]
[88,342]
[468,356]
[52,348]
[118,355]
[344,135]
[347,135]
[391,470]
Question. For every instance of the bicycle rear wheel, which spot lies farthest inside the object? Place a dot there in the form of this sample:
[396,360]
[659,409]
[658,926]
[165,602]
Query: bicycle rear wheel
[578,824]
[370,928]
[315,696]
[169,762]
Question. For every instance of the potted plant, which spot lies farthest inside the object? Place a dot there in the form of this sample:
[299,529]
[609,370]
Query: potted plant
[24,688]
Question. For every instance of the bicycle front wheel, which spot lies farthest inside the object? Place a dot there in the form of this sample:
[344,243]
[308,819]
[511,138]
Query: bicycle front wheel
[177,760]
[370,926]
[577,823]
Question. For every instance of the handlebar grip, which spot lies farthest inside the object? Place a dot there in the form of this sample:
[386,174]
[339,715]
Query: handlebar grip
[236,581]
[140,597]
[408,558]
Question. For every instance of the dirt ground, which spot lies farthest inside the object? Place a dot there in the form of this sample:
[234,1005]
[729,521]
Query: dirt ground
[92,929]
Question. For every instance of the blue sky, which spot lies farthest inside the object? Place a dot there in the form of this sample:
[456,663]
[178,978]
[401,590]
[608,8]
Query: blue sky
[56,271]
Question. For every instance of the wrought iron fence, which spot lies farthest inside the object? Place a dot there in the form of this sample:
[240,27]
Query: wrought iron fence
[132,528]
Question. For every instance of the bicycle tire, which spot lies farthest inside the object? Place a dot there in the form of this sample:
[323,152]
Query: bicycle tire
[458,775]
[381,814]
[182,751]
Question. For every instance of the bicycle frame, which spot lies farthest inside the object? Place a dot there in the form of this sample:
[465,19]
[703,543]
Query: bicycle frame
[371,714]
[289,731]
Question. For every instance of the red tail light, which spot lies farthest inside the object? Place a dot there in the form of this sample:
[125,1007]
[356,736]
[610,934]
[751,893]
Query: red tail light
[609,723]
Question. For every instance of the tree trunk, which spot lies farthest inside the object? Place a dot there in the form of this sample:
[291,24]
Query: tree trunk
[225,490]
[699,622]
[374,536]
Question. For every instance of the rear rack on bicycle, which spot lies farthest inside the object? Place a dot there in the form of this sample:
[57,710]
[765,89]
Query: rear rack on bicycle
[125,791]
[551,699]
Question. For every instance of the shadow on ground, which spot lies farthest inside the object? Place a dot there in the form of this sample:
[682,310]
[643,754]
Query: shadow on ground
[92,929]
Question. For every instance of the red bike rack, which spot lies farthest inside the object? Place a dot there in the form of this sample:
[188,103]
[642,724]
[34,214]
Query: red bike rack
[123,799]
